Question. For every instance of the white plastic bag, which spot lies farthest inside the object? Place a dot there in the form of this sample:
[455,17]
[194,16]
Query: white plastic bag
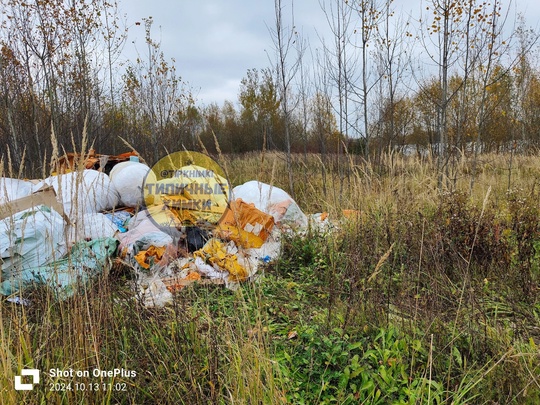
[83,192]
[128,179]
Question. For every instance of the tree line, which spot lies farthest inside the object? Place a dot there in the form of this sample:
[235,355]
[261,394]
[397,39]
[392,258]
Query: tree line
[457,77]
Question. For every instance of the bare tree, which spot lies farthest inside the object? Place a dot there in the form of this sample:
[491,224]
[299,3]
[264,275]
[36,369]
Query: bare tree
[340,68]
[369,14]
[114,34]
[156,94]
[392,57]
[444,43]
[58,47]
[285,39]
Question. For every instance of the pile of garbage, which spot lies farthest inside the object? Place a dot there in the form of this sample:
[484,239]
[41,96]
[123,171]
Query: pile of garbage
[64,230]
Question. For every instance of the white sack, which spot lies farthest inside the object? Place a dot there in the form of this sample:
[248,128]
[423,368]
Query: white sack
[83,192]
[128,179]
[13,189]
[29,239]
[273,201]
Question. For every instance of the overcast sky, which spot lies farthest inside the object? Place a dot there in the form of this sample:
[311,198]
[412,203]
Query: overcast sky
[215,42]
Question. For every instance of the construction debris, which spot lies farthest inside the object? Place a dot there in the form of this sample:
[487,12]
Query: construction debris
[172,232]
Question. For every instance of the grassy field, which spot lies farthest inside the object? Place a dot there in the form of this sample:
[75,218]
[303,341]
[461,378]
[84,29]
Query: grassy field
[423,297]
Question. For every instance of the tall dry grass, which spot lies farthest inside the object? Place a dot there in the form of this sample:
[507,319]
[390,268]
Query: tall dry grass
[453,272]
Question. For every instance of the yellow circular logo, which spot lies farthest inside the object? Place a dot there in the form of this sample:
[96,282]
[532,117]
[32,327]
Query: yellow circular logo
[185,189]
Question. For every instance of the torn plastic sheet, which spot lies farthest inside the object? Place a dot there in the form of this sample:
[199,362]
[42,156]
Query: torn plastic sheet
[143,235]
[92,226]
[148,257]
[152,291]
[120,219]
[86,260]
[31,238]
[224,257]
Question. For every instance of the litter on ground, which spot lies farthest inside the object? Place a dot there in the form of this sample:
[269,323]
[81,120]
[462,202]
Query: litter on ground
[64,230]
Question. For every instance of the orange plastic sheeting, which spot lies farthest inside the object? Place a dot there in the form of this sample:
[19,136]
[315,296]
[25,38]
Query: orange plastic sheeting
[215,253]
[70,161]
[174,285]
[90,160]
[245,224]
[152,255]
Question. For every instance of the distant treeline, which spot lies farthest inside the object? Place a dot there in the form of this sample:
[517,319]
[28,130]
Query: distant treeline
[61,74]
